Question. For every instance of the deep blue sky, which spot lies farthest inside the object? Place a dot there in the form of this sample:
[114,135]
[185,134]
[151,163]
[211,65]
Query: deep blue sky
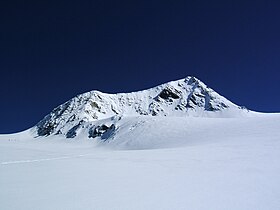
[53,50]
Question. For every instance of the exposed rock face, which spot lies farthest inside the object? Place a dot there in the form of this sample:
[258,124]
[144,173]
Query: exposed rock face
[169,93]
[185,97]
[103,131]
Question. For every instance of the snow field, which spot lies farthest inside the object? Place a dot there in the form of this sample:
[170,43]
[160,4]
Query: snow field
[151,163]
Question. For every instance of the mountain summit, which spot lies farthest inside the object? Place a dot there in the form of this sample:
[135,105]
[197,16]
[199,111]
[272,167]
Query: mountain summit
[181,98]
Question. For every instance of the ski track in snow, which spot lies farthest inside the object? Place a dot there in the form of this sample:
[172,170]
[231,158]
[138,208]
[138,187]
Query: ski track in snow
[42,160]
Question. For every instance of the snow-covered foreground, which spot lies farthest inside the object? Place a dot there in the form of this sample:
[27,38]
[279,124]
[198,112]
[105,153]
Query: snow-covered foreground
[151,163]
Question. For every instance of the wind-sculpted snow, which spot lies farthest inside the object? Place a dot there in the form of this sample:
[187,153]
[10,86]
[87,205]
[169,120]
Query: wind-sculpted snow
[182,98]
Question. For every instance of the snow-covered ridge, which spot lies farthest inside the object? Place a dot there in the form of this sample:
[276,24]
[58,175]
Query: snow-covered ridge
[181,98]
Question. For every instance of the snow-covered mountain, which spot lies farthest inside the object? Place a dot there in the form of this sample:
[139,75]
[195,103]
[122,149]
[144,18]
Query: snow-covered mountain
[181,98]
[169,147]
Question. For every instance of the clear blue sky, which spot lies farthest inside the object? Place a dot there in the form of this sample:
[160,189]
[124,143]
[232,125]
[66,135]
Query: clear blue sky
[53,50]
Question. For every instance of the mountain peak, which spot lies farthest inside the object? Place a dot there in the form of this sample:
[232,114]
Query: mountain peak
[180,98]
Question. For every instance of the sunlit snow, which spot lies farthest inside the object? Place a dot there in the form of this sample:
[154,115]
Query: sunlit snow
[153,163]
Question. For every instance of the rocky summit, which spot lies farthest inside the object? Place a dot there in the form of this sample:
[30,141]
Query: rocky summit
[181,98]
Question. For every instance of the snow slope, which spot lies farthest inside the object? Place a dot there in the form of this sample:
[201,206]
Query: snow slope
[153,163]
